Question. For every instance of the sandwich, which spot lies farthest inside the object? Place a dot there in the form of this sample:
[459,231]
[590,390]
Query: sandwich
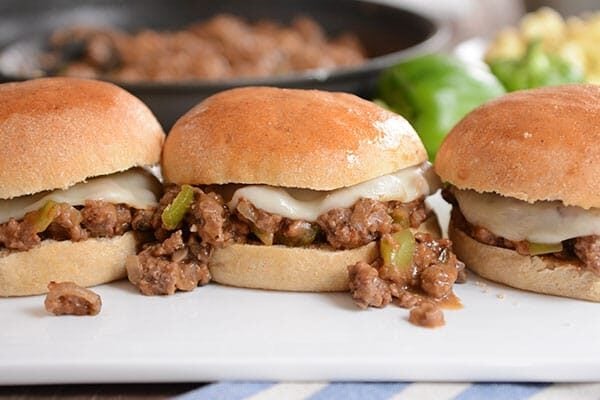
[523,173]
[294,190]
[72,187]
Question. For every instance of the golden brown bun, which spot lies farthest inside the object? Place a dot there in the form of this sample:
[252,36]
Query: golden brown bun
[55,132]
[540,144]
[291,138]
[293,268]
[548,275]
[87,263]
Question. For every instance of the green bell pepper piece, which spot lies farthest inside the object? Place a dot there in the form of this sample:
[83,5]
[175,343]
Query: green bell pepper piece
[173,214]
[397,250]
[434,92]
[44,216]
[536,249]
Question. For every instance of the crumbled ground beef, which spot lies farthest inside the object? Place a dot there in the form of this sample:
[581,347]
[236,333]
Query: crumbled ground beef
[585,248]
[67,298]
[67,225]
[223,47]
[176,262]
[163,268]
[261,220]
[94,219]
[348,228]
[103,219]
[367,288]
[427,314]
[210,219]
[21,236]
[142,220]
[430,278]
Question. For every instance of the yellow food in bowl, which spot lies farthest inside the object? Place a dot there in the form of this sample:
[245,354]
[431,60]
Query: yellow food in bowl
[575,39]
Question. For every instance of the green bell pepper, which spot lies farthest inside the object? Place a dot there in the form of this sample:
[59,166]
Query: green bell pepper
[434,92]
[536,68]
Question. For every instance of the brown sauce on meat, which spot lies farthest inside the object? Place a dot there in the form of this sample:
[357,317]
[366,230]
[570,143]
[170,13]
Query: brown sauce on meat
[449,302]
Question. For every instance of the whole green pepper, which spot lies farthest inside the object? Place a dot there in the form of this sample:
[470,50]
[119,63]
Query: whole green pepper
[536,68]
[434,92]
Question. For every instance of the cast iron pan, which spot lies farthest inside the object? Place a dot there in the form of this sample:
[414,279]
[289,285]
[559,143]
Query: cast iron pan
[389,34]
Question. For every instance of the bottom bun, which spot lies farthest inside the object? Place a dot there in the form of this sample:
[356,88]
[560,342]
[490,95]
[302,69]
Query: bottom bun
[293,268]
[87,263]
[548,275]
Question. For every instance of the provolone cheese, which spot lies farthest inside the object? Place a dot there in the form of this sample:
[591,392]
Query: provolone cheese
[301,204]
[540,222]
[135,187]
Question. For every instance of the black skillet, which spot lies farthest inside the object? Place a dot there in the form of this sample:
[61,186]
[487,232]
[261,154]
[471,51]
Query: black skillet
[389,34]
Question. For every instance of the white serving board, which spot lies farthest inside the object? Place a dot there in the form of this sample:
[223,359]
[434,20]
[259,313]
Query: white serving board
[217,333]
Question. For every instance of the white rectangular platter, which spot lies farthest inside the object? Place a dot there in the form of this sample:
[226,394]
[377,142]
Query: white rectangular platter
[217,333]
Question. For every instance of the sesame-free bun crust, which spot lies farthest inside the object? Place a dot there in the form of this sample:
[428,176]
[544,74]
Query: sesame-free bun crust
[55,132]
[540,144]
[87,263]
[548,275]
[293,268]
[288,137]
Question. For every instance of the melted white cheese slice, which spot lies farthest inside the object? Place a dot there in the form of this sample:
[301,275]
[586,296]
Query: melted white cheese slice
[135,187]
[540,222]
[302,204]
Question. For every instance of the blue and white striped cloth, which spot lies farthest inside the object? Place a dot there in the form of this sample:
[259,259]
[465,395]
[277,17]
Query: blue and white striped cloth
[394,391]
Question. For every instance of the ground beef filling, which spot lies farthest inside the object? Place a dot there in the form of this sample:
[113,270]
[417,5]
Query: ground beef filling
[209,224]
[427,284]
[95,219]
[585,248]
[67,298]
[179,259]
[341,228]
[163,268]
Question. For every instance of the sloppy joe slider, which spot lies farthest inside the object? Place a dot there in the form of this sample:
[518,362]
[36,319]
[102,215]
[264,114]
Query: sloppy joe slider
[71,189]
[298,190]
[524,175]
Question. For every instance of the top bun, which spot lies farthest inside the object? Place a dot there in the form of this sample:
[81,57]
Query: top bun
[56,132]
[290,138]
[540,144]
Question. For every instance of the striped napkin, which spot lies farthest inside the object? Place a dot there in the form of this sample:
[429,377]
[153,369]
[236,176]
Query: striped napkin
[394,391]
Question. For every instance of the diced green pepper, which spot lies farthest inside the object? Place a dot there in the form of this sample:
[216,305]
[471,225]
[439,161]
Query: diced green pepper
[45,215]
[401,216]
[307,235]
[173,214]
[536,249]
[265,237]
[397,249]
